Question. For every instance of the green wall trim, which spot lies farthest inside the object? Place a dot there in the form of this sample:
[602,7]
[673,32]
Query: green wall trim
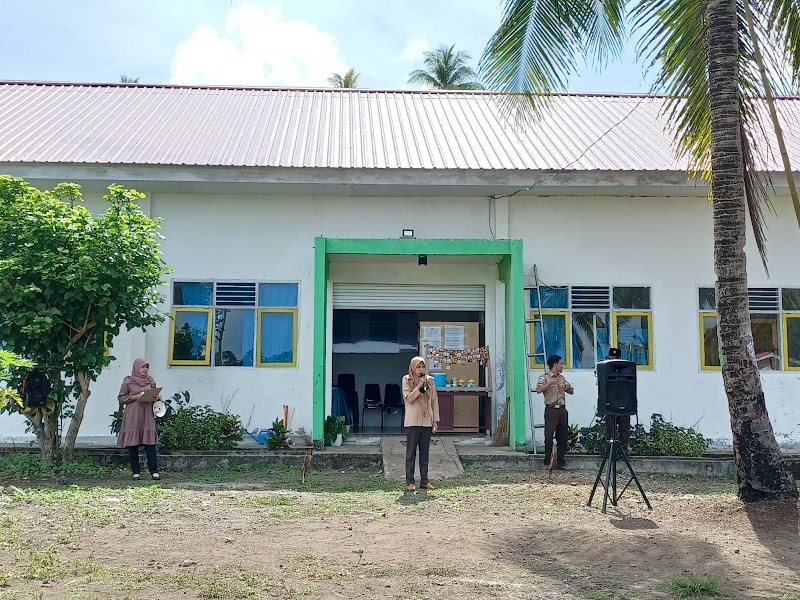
[509,270]
[320,331]
[402,246]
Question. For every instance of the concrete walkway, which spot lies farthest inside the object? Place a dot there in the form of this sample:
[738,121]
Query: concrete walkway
[444,461]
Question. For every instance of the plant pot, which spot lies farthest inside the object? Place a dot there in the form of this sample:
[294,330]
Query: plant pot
[337,441]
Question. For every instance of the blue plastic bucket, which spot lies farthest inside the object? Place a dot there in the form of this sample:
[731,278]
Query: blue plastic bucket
[440,379]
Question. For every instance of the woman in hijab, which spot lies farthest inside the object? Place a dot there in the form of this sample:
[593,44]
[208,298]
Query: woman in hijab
[138,421]
[422,418]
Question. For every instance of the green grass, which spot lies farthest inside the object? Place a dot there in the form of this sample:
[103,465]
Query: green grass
[695,586]
[787,597]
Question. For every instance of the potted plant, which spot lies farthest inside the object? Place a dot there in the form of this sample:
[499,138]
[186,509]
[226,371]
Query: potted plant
[276,438]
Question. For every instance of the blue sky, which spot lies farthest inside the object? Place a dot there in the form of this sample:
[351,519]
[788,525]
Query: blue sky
[254,42]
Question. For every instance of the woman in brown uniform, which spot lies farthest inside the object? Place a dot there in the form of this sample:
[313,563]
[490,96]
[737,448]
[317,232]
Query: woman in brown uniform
[138,421]
[422,417]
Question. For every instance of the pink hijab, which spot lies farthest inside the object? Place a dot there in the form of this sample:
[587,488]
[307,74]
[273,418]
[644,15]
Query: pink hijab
[412,374]
[138,377]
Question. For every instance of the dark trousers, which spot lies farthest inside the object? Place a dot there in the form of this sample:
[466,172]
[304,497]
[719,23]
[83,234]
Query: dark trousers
[152,461]
[556,421]
[418,436]
[623,429]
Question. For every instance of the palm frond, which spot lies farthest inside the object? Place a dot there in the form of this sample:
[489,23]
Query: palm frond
[446,69]
[533,53]
[674,39]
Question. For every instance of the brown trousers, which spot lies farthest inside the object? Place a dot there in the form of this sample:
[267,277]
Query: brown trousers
[417,437]
[623,428]
[556,421]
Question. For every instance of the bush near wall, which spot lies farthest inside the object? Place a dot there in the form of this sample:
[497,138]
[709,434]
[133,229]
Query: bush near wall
[662,439]
[186,427]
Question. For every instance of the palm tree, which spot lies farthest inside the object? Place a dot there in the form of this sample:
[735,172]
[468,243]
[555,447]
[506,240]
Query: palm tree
[446,70]
[348,80]
[708,59]
[126,79]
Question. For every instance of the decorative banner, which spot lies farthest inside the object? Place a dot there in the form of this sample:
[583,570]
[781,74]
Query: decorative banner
[456,357]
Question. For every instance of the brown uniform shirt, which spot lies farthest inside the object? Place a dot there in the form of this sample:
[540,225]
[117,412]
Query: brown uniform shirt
[555,394]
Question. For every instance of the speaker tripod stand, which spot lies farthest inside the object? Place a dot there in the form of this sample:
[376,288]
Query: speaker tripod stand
[609,462]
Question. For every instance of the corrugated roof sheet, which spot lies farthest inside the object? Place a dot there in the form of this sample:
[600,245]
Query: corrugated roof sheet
[348,129]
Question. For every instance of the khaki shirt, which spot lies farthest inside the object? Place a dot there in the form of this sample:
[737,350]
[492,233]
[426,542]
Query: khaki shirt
[422,410]
[555,394]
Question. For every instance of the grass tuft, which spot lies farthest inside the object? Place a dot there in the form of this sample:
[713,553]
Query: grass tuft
[695,586]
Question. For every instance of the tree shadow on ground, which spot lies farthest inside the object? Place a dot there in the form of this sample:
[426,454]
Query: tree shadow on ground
[621,556]
[777,526]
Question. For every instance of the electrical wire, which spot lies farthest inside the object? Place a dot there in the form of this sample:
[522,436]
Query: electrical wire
[580,156]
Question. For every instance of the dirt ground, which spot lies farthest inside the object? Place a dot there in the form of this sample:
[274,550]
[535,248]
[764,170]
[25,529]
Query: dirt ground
[491,534]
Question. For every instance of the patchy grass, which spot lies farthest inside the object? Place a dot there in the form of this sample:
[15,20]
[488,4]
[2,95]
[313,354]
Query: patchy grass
[695,585]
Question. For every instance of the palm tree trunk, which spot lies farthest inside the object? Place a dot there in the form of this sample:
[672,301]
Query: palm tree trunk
[761,470]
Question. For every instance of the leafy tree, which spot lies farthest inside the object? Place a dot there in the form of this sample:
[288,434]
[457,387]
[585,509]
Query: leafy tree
[348,80]
[446,69]
[708,57]
[69,282]
[126,79]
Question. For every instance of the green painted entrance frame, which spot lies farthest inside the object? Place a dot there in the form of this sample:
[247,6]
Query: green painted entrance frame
[509,272]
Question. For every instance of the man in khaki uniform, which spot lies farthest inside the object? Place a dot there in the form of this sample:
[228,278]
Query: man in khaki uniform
[556,418]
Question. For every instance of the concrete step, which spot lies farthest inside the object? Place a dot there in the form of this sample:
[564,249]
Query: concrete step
[444,461]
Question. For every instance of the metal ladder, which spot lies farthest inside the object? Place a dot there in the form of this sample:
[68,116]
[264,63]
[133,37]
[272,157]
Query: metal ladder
[530,351]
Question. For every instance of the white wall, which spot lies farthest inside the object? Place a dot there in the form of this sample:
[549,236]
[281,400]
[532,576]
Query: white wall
[664,243]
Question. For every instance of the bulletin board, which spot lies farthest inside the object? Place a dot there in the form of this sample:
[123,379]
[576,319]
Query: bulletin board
[452,336]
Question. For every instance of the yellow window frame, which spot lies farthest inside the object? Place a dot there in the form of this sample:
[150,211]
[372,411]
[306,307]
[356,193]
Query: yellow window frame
[567,360]
[261,311]
[206,361]
[615,315]
[704,314]
[786,318]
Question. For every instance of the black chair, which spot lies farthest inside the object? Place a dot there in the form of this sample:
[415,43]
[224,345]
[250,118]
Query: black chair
[347,382]
[393,402]
[372,400]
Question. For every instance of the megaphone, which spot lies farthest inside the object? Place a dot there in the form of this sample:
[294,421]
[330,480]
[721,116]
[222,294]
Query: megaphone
[159,408]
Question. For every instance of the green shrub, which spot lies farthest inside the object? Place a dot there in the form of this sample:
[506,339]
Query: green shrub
[186,427]
[276,438]
[663,439]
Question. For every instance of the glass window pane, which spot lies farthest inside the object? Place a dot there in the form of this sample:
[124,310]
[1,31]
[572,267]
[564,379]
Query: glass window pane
[191,333]
[793,341]
[278,295]
[710,342]
[632,298]
[633,338]
[552,297]
[234,330]
[192,293]
[555,337]
[791,298]
[590,339]
[708,299]
[277,338]
[765,339]
[602,323]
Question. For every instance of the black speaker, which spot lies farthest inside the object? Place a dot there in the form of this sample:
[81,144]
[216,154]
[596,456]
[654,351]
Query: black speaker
[616,387]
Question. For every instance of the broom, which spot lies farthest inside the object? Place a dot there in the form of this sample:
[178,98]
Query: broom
[500,437]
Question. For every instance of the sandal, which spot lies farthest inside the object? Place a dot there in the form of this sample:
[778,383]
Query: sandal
[155,476]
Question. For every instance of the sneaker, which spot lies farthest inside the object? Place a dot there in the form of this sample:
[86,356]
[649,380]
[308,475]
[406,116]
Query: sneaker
[155,476]
[427,486]
[136,477]
[411,487]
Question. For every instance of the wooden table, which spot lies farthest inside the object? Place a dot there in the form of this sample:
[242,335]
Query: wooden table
[463,409]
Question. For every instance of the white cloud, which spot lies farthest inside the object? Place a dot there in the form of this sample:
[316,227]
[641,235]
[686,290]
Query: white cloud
[257,47]
[413,50]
